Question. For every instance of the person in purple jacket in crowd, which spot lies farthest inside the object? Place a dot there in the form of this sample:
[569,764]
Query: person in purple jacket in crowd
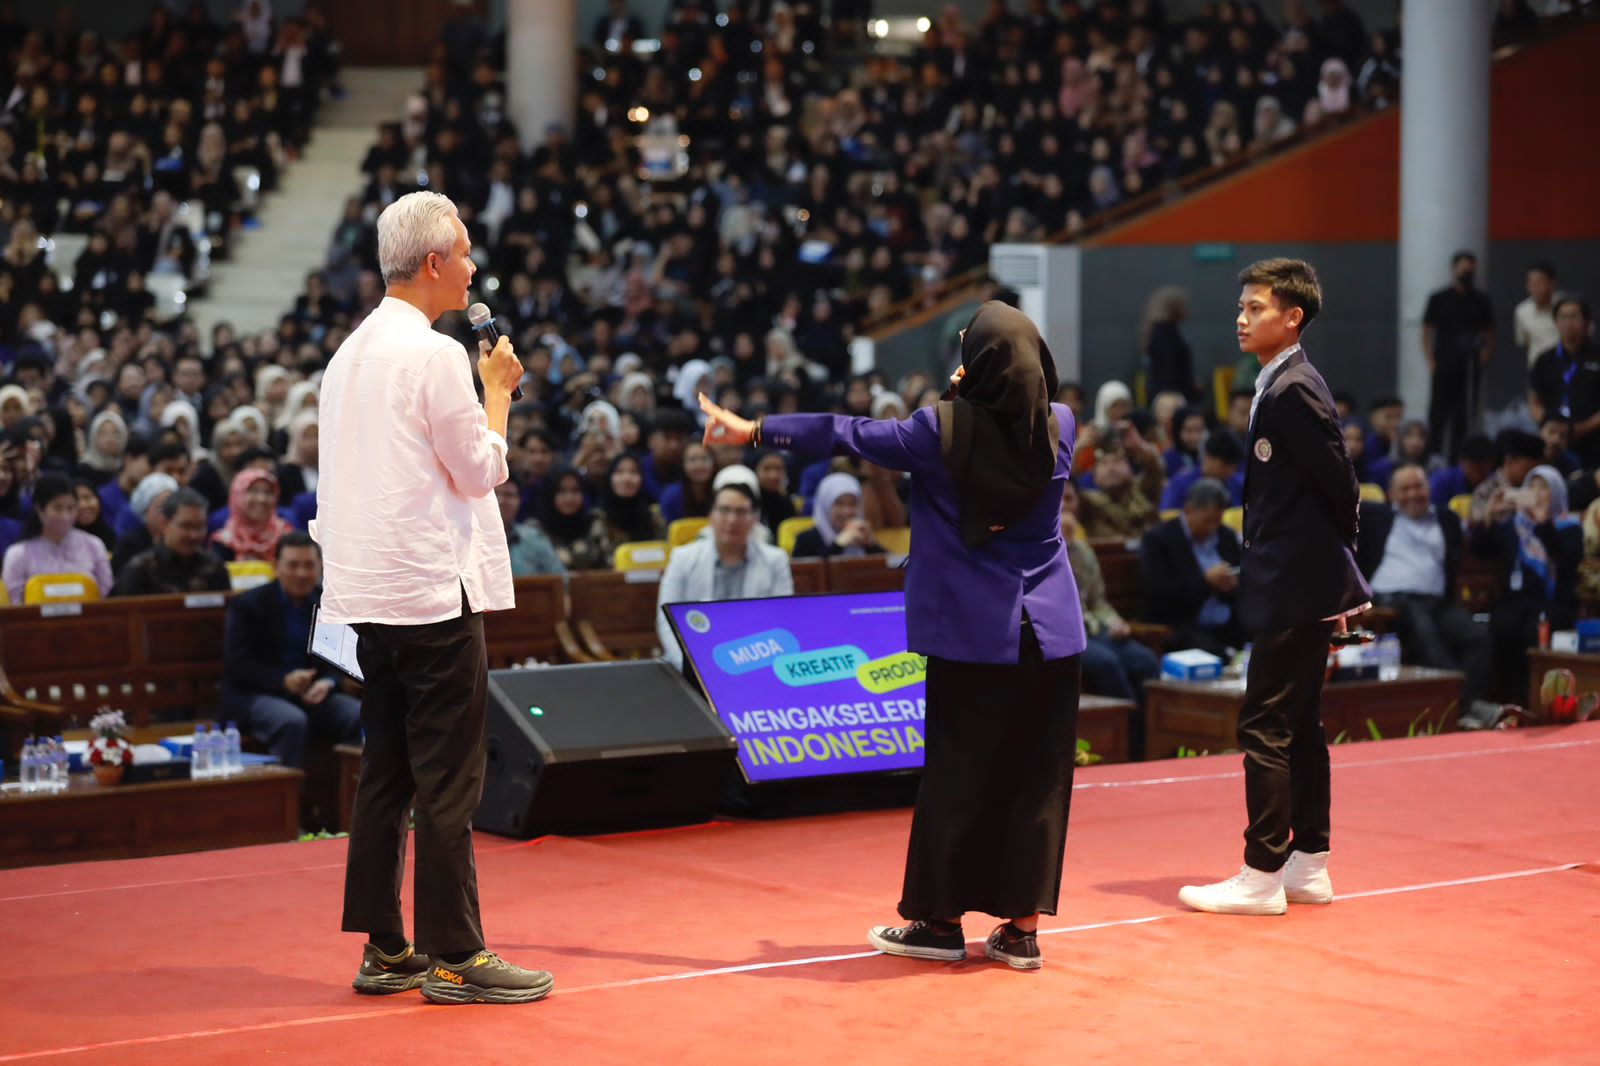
[991,601]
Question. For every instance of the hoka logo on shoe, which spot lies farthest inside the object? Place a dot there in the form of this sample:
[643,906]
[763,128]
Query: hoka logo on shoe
[445,975]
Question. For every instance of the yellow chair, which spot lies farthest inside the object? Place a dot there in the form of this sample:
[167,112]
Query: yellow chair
[1462,506]
[1221,388]
[684,530]
[790,528]
[1371,493]
[896,541]
[642,555]
[246,574]
[60,588]
[1233,518]
[5,597]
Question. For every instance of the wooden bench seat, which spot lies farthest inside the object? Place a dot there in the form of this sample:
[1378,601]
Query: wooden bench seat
[153,657]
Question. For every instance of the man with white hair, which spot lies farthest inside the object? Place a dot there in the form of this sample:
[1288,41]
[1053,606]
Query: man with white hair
[414,551]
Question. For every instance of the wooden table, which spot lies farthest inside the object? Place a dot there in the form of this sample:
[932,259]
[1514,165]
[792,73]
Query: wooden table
[1103,722]
[1204,715]
[1585,667]
[89,821]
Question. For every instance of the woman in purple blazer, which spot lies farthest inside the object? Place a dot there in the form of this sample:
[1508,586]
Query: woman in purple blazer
[990,600]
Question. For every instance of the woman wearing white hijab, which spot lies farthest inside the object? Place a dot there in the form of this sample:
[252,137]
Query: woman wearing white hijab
[180,414]
[272,388]
[600,416]
[302,398]
[1111,404]
[888,404]
[213,477]
[108,439]
[688,386]
[297,474]
[91,367]
[15,405]
[253,423]
[841,527]
[637,393]
[1333,88]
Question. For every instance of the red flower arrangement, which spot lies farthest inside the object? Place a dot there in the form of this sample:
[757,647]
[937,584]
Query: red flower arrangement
[109,746]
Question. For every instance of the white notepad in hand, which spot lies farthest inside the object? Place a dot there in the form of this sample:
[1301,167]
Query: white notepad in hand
[335,644]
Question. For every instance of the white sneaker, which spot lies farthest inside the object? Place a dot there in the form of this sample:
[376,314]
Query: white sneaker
[1305,878]
[1250,891]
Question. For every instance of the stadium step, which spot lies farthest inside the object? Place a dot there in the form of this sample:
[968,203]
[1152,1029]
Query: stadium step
[270,261]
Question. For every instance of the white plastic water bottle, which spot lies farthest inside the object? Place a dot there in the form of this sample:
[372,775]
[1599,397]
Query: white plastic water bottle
[231,761]
[213,751]
[29,766]
[63,771]
[200,755]
[1389,656]
[44,762]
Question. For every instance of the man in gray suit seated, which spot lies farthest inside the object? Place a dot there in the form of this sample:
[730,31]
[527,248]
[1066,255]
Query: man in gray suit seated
[731,564]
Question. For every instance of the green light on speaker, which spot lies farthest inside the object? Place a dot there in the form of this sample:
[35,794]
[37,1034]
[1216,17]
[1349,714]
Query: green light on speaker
[537,712]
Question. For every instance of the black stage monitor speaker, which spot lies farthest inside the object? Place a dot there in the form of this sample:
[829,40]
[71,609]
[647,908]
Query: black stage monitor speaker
[599,748]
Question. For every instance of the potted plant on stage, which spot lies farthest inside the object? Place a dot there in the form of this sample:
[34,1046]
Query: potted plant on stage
[109,751]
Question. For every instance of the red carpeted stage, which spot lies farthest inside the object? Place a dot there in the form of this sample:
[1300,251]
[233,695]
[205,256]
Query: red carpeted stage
[1466,929]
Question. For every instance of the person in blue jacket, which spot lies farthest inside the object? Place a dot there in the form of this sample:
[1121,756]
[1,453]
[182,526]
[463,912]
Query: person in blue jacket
[991,601]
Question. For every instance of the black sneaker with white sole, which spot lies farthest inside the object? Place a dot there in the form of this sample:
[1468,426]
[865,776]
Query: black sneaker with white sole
[485,978]
[920,940]
[1015,947]
[384,975]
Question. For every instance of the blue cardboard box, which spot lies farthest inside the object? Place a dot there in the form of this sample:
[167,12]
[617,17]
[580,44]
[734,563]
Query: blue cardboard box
[1191,665]
[1589,635]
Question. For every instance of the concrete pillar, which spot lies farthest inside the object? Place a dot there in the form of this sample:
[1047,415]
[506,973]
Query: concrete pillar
[1444,166]
[541,65]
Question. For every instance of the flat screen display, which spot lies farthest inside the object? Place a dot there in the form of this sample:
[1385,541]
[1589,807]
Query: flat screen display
[810,686]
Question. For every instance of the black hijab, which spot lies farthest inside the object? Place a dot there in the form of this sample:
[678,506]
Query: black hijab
[563,528]
[998,435]
[775,506]
[100,527]
[631,514]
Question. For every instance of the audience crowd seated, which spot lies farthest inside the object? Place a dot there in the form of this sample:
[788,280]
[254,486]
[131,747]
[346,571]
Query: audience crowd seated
[805,209]
[134,147]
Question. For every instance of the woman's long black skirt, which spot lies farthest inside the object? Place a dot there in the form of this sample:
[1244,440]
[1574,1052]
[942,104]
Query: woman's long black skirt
[990,826]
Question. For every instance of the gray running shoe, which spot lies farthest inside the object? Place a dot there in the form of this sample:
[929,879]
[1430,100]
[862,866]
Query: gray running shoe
[384,975]
[485,978]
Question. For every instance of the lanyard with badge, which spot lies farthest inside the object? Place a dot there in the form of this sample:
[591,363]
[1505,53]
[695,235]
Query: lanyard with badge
[1567,374]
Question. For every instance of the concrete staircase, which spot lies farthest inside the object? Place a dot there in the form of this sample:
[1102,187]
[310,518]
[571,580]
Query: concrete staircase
[267,269]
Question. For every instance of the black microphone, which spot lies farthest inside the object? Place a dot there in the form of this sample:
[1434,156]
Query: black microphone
[482,321]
